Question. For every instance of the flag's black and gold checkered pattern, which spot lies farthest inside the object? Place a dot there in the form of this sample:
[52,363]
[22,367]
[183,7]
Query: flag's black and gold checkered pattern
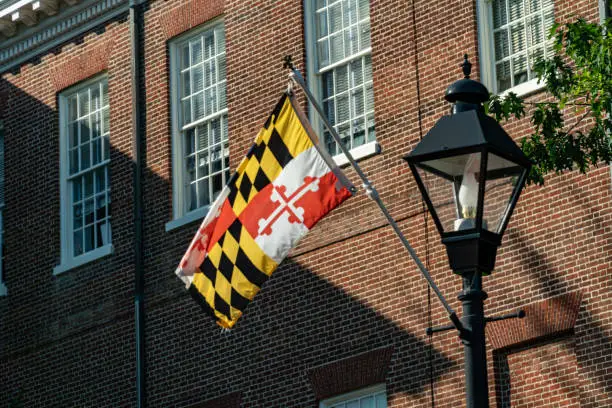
[281,139]
[232,274]
[235,267]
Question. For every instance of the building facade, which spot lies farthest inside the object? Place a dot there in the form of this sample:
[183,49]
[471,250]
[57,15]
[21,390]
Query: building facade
[342,322]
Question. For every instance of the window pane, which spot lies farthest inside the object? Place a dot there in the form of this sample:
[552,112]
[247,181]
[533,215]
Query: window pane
[323,52]
[185,56]
[73,134]
[197,79]
[100,179]
[100,207]
[209,45]
[517,38]
[341,80]
[220,37]
[105,120]
[343,108]
[186,83]
[337,49]
[321,24]
[77,242]
[198,106]
[221,70]
[203,193]
[351,42]
[95,98]
[335,17]
[515,8]
[84,129]
[89,211]
[76,190]
[364,9]
[96,153]
[503,75]
[222,98]
[83,103]
[349,12]
[196,51]
[502,49]
[85,157]
[186,110]
[364,35]
[72,108]
[89,238]
[77,214]
[74,160]
[519,69]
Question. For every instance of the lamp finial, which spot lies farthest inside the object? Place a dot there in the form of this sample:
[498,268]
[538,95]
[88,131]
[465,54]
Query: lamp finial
[466,66]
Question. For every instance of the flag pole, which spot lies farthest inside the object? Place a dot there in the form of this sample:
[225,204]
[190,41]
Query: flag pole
[297,77]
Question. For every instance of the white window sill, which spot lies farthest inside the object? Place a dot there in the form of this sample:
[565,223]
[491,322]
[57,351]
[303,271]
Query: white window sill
[83,259]
[195,215]
[524,89]
[3,291]
[359,152]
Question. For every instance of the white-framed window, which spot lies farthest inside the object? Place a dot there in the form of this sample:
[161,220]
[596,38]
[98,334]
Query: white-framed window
[84,173]
[370,397]
[199,121]
[2,285]
[513,34]
[340,71]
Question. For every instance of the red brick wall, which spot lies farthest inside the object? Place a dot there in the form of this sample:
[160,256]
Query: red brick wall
[543,375]
[348,289]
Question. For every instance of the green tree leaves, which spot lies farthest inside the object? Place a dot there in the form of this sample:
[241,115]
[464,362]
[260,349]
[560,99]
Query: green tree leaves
[572,127]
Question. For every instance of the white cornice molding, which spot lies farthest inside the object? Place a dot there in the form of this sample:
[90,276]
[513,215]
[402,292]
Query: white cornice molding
[55,30]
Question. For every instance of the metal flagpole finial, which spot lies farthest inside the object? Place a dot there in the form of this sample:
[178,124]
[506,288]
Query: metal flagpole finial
[288,62]
[466,66]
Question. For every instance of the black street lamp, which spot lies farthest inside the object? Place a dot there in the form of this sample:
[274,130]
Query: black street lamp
[470,173]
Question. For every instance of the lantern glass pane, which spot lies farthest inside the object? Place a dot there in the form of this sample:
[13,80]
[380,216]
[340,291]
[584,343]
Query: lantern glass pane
[501,181]
[452,187]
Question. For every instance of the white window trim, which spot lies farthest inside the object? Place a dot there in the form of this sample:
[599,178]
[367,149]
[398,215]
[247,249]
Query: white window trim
[360,152]
[484,11]
[67,261]
[192,216]
[178,217]
[84,258]
[353,394]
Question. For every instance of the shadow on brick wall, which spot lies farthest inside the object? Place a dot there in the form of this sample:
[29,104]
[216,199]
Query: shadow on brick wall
[299,321]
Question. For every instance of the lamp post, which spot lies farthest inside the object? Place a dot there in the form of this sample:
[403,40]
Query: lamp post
[470,173]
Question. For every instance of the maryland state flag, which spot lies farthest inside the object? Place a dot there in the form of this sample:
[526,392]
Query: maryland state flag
[281,189]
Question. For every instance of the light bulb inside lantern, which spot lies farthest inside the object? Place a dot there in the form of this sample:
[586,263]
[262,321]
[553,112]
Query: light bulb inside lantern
[468,194]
